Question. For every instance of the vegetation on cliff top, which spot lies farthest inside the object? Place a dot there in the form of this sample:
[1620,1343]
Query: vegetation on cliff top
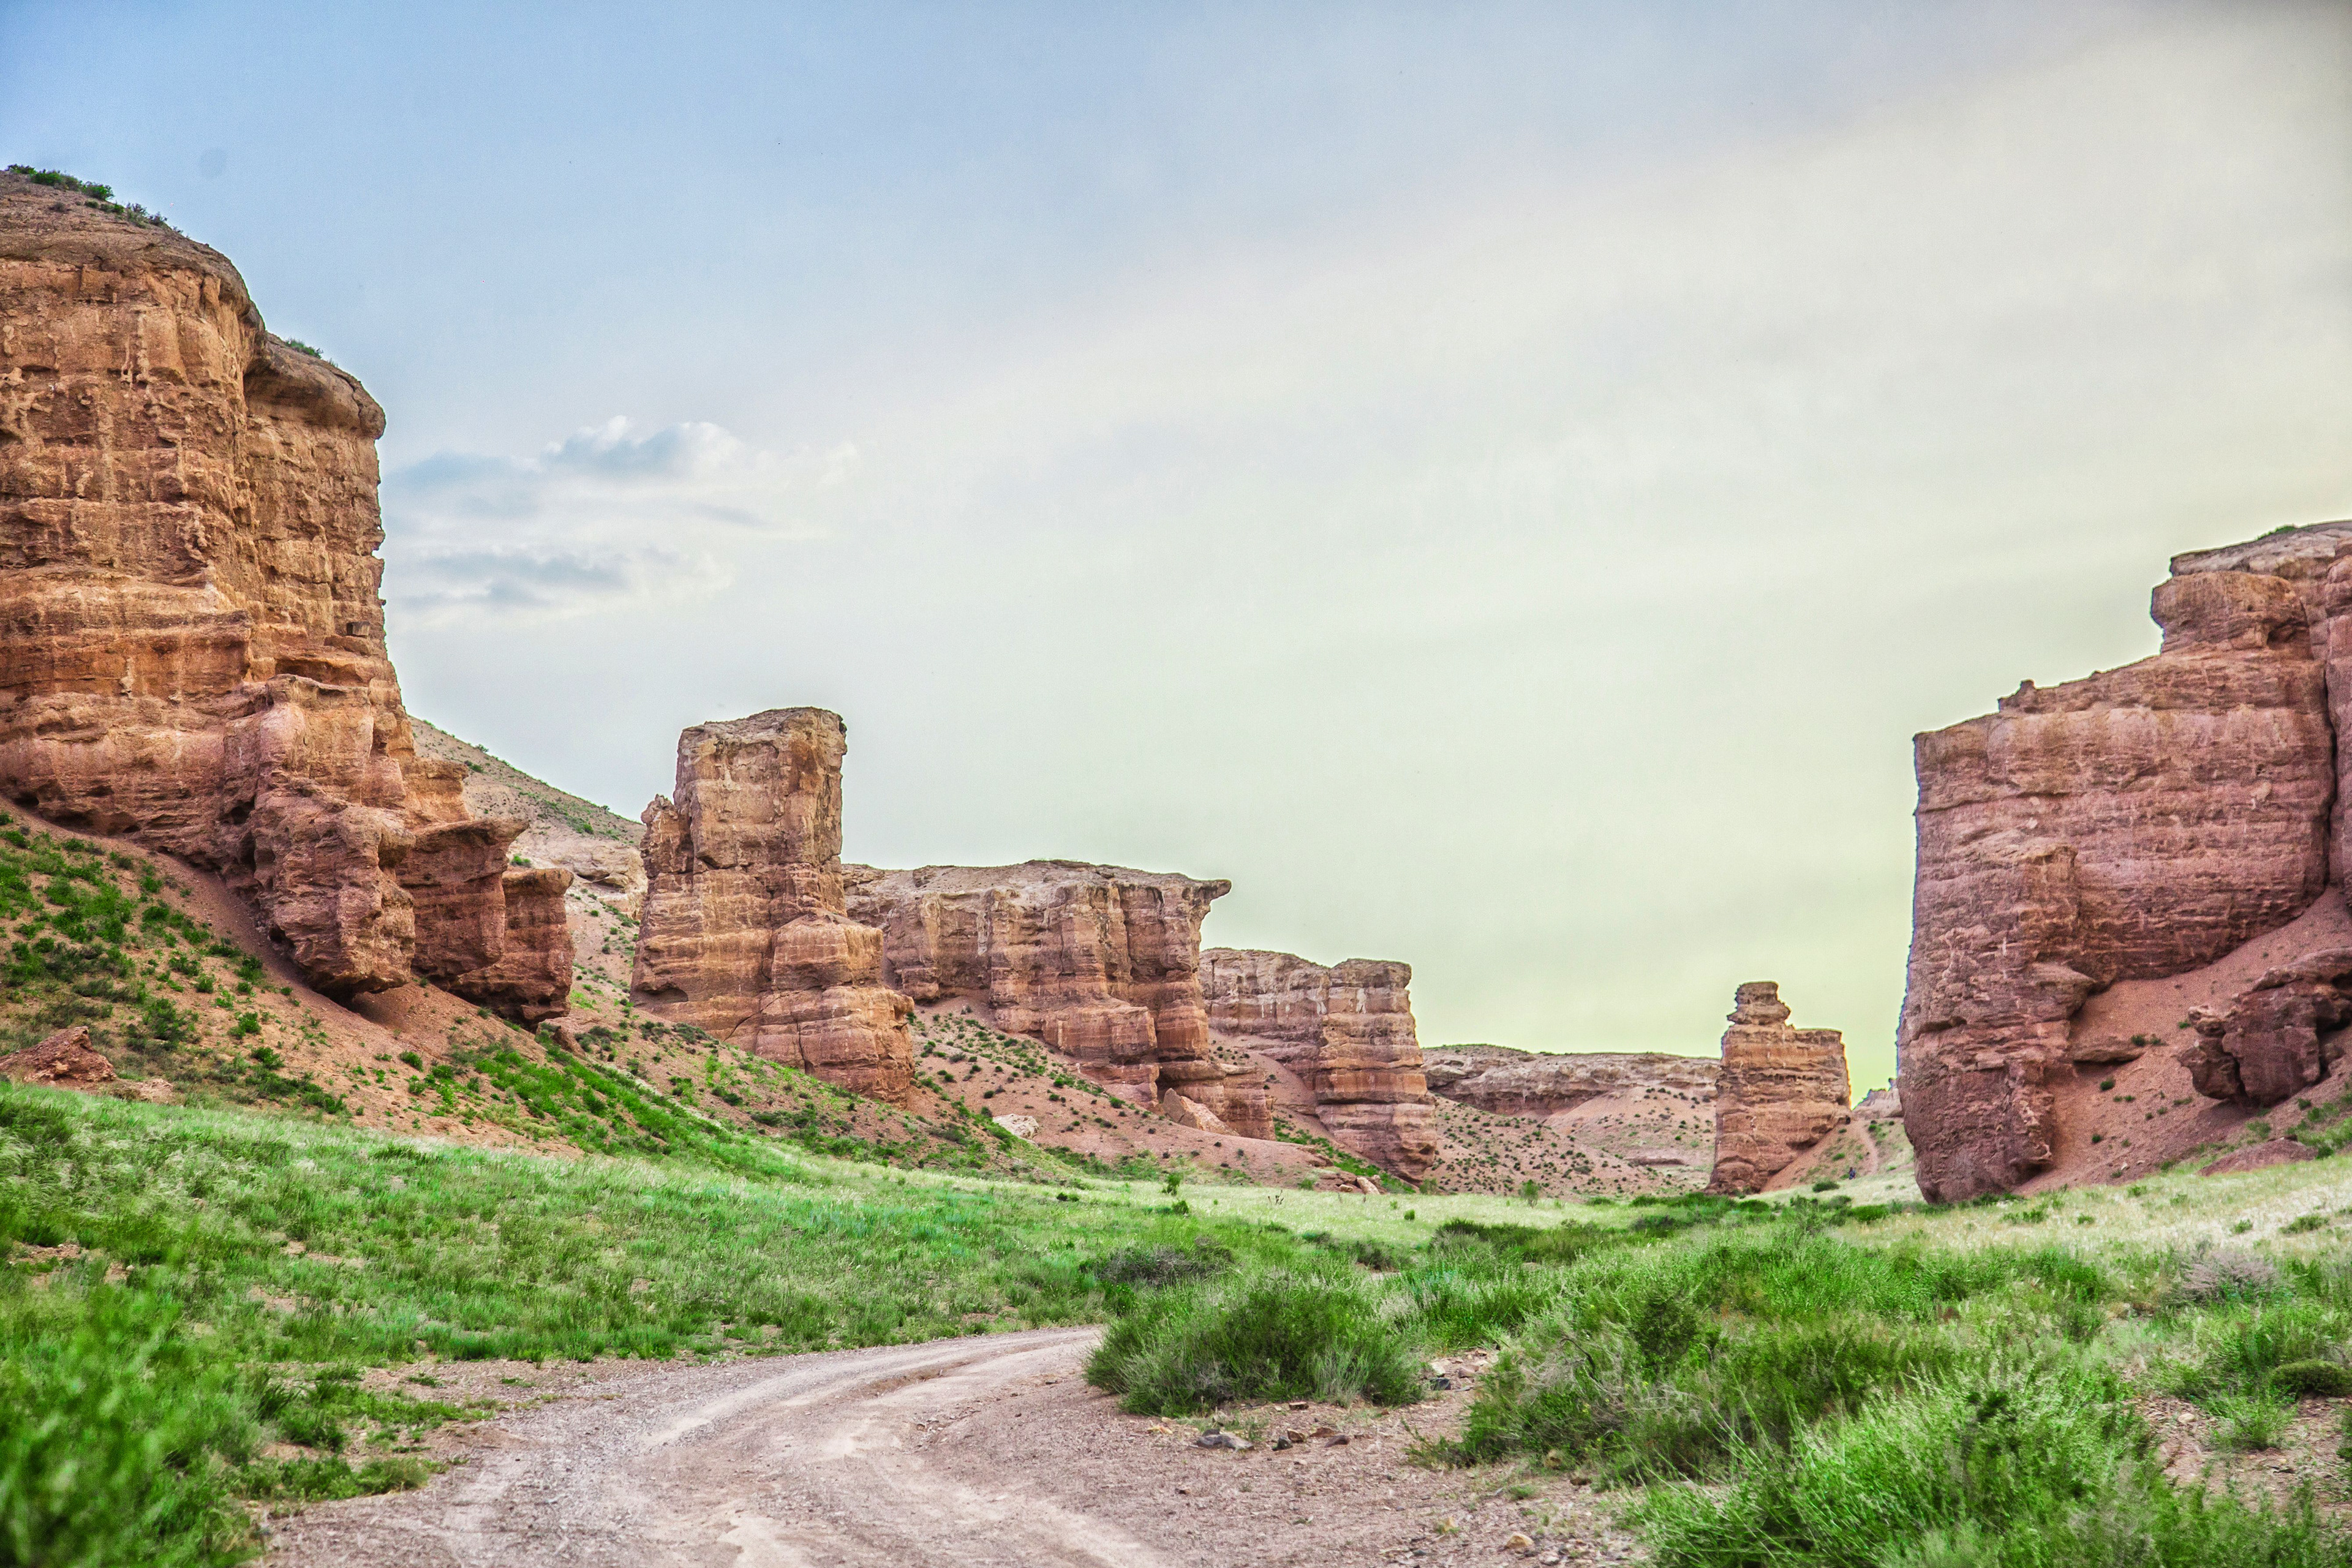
[99,195]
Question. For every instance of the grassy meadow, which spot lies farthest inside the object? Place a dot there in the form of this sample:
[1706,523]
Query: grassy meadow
[191,1297]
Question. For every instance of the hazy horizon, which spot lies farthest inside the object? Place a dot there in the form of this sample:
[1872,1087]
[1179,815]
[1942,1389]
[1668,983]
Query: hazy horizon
[1501,485]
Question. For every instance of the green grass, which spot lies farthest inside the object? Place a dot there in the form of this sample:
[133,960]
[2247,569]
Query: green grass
[186,1287]
[2023,1461]
[191,1297]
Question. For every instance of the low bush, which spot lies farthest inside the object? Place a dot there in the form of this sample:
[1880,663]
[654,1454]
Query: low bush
[2313,1379]
[1279,1335]
[1158,1267]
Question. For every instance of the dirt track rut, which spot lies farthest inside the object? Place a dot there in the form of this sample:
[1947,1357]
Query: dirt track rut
[743,1464]
[970,1452]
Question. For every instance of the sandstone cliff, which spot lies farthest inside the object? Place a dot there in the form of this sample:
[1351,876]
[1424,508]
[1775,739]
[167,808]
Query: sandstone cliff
[1507,1082]
[1348,1029]
[1780,1090]
[1101,963]
[744,932]
[192,648]
[2139,824]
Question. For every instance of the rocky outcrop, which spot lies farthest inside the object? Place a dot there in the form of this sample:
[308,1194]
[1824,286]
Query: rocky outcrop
[2277,1039]
[2136,824]
[192,648]
[1506,1083]
[1101,963]
[1780,1090]
[744,932]
[64,1060]
[1348,1029]
[530,980]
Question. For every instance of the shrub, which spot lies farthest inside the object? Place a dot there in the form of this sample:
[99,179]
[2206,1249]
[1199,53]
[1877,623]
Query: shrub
[1156,1266]
[2225,1272]
[1278,1336]
[2313,1379]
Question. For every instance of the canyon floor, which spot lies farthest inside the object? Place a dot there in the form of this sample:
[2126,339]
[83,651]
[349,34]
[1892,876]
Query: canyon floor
[966,1451]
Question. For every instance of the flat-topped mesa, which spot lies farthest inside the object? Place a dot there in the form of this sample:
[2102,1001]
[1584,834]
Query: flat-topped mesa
[191,650]
[1349,1030]
[1101,963]
[744,933]
[1507,1082]
[1779,1091]
[2137,824]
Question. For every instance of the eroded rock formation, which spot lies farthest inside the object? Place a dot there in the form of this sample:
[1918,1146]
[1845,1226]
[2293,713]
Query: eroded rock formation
[1348,1029]
[1780,1090]
[1507,1082]
[2139,824]
[192,648]
[1101,963]
[744,932]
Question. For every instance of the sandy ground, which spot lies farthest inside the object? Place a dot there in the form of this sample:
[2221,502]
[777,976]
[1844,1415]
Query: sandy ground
[965,1452]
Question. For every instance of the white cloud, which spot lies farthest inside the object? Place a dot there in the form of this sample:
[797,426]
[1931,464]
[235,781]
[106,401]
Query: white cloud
[600,518]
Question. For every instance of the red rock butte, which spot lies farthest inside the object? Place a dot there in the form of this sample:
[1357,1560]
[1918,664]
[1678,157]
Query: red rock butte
[744,933]
[2144,823]
[1780,1090]
[1102,963]
[1348,1030]
[191,650]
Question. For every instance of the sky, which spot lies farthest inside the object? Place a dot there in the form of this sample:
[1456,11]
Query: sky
[1501,484]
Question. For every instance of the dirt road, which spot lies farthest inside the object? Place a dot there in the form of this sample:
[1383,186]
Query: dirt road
[980,1451]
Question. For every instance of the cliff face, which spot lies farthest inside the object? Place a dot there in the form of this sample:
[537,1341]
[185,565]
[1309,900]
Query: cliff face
[192,648]
[1101,963]
[2138,825]
[1349,1030]
[1780,1090]
[744,933]
[1506,1083]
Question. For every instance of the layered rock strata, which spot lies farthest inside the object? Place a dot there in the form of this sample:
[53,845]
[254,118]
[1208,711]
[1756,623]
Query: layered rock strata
[1348,1029]
[1507,1082]
[192,648]
[1780,1090]
[1101,963]
[744,932]
[2136,824]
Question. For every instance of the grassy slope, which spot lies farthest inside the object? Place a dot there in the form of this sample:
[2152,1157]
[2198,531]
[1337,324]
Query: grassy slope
[190,1292]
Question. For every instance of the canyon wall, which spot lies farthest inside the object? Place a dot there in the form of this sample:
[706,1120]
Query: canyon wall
[2139,824]
[192,648]
[1509,1082]
[1779,1090]
[1348,1029]
[744,933]
[1101,963]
